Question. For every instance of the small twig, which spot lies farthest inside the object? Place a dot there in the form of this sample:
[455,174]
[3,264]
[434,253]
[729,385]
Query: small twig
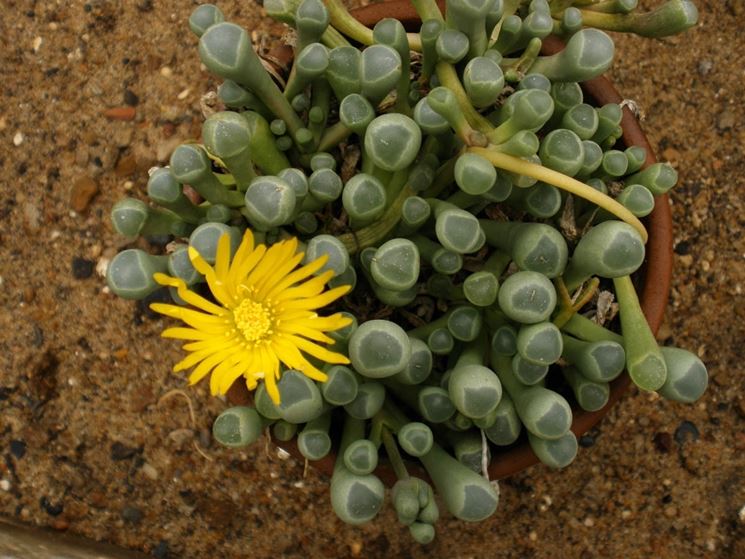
[192,416]
[179,392]
[484,456]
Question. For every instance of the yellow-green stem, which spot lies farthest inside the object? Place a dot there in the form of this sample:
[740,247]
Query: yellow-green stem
[343,21]
[568,184]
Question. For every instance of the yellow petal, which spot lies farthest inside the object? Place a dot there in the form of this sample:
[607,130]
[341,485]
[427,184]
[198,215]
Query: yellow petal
[189,296]
[290,355]
[240,270]
[227,378]
[305,331]
[277,255]
[319,301]
[216,285]
[216,343]
[185,334]
[222,256]
[317,351]
[298,275]
[270,366]
[201,321]
[206,366]
[310,288]
[270,280]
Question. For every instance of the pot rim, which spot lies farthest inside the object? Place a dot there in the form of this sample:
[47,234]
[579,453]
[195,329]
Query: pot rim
[657,270]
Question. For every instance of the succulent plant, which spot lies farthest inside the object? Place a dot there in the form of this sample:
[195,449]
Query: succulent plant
[452,262]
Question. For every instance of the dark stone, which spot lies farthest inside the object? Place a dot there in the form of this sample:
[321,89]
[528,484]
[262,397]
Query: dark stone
[142,306]
[161,550]
[82,268]
[667,499]
[663,442]
[38,336]
[130,98]
[52,509]
[686,431]
[5,393]
[132,514]
[22,168]
[97,161]
[586,441]
[121,451]
[682,248]
[145,6]
[18,448]
[87,7]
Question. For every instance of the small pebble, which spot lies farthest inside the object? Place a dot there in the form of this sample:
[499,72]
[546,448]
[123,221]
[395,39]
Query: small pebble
[120,113]
[166,72]
[586,441]
[705,66]
[37,43]
[52,509]
[589,522]
[161,550]
[83,190]
[18,139]
[121,451]
[4,485]
[82,268]
[132,514]
[686,431]
[663,442]
[726,120]
[149,471]
[18,448]
[130,98]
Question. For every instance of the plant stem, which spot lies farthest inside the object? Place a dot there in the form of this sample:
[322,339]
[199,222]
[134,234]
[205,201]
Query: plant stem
[333,136]
[585,329]
[644,360]
[394,456]
[372,234]
[344,22]
[568,307]
[568,184]
[332,38]
[449,78]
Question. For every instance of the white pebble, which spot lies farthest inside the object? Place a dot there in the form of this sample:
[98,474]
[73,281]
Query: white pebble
[741,514]
[37,43]
[184,94]
[166,72]
[5,485]
[149,471]
[282,454]
[18,139]
[54,235]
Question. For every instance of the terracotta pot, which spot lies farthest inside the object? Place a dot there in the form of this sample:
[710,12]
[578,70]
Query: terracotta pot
[654,279]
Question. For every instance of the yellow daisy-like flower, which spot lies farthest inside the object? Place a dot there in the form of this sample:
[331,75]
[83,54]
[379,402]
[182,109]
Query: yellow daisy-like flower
[265,315]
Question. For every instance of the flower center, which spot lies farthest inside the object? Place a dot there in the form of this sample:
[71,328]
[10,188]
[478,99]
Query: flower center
[253,320]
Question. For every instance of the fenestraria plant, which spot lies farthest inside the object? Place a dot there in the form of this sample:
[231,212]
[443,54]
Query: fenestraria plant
[407,238]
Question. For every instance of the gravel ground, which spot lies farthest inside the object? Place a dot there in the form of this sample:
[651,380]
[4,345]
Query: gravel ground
[88,443]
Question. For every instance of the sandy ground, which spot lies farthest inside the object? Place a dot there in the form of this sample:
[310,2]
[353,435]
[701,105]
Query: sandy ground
[87,447]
